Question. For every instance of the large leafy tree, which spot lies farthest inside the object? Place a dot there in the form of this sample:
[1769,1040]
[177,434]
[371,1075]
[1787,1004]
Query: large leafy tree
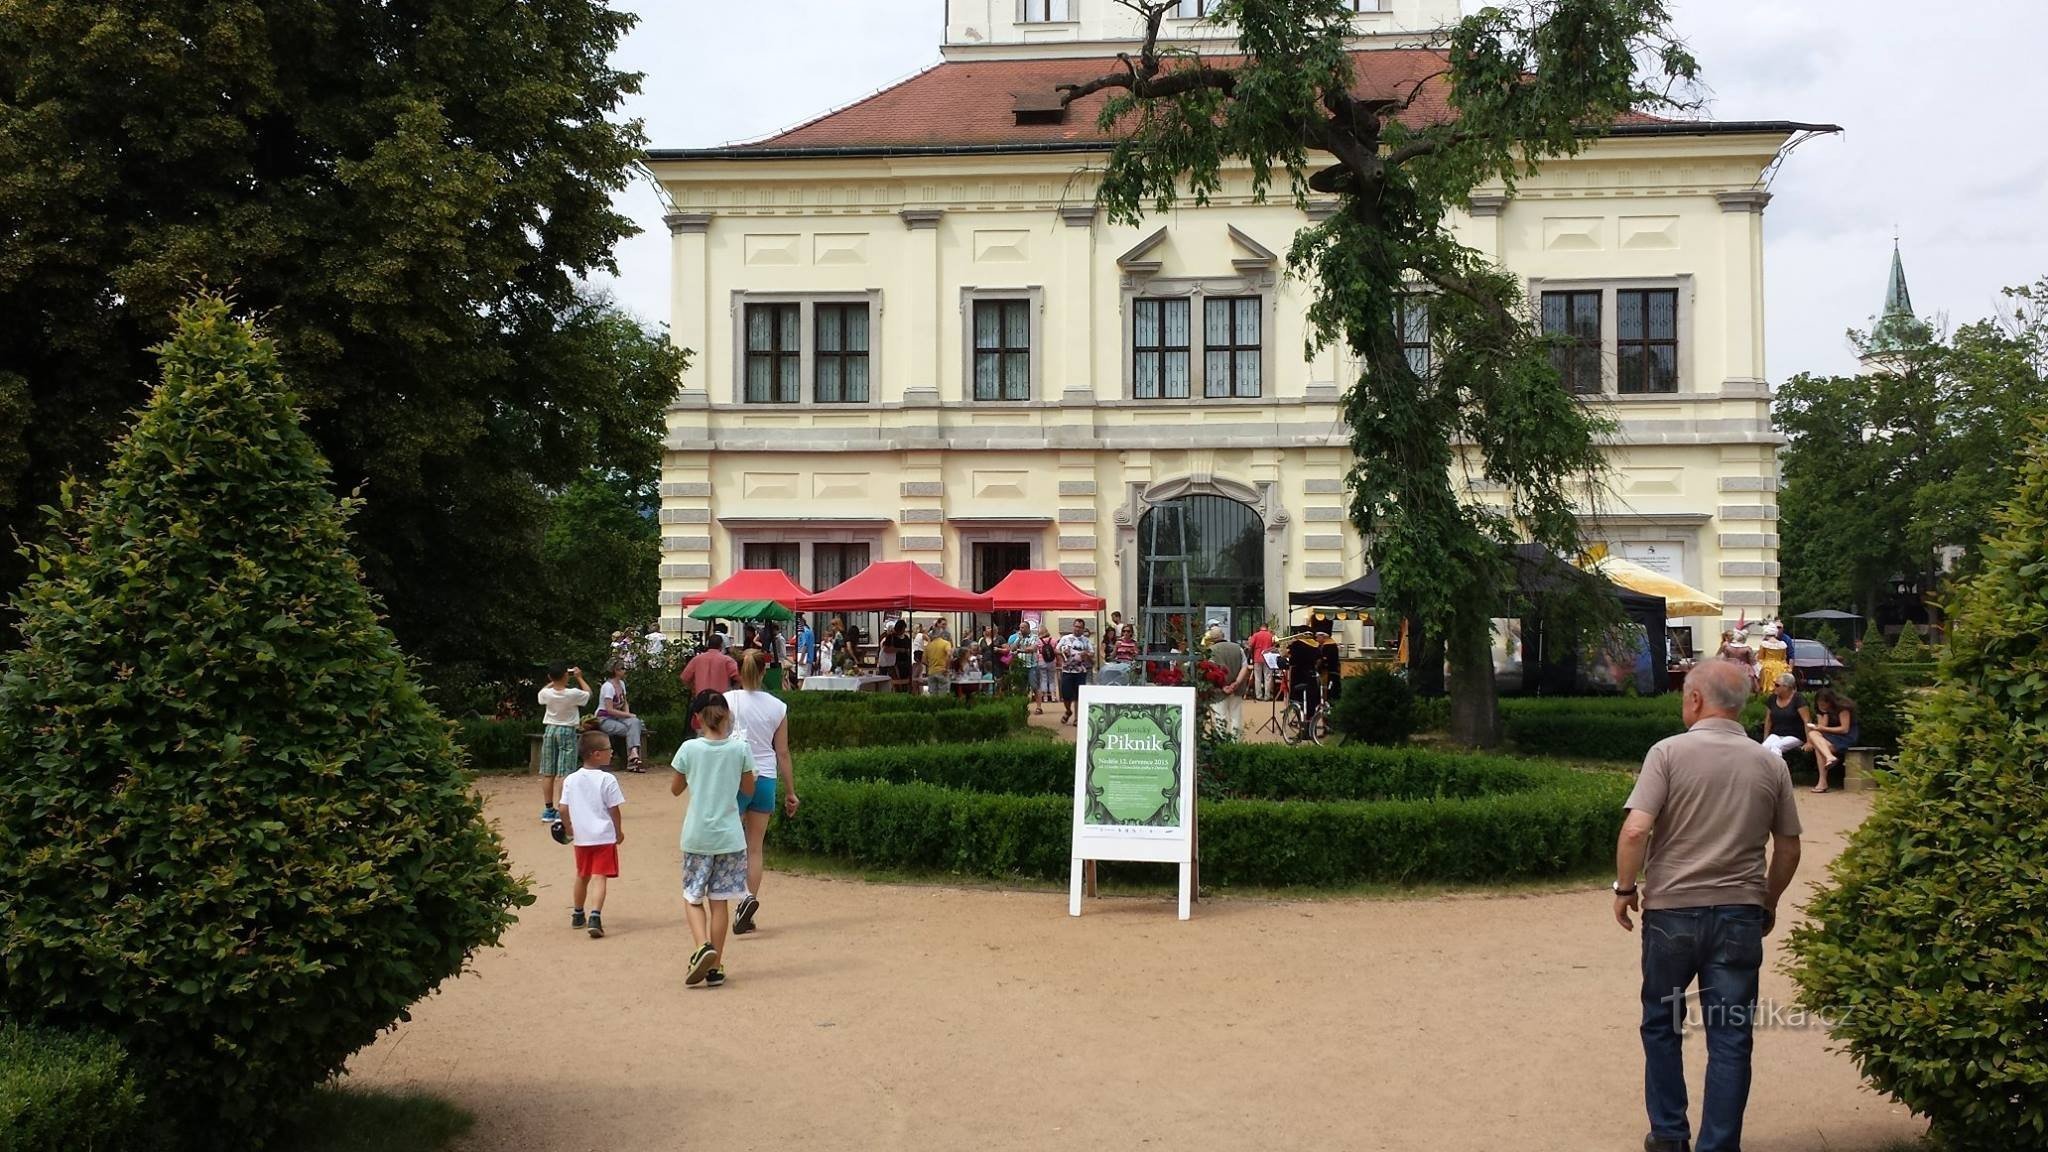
[411,192]
[602,558]
[1524,83]
[1884,469]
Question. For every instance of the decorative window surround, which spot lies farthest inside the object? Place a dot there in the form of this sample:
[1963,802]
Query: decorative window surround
[807,345]
[1256,277]
[1610,326]
[1035,296]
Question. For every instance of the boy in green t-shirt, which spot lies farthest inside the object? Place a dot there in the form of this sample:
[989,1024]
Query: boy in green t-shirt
[719,774]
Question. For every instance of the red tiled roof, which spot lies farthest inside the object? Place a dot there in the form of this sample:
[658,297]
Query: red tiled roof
[970,103]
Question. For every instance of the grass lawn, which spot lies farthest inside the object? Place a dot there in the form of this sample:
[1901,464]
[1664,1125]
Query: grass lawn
[343,1119]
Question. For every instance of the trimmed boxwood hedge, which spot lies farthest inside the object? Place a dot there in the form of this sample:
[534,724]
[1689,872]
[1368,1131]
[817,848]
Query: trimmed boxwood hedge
[1597,727]
[817,720]
[1005,809]
[65,1091]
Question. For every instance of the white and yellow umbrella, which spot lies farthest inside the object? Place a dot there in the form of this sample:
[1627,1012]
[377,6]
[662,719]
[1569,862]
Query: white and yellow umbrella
[1680,598]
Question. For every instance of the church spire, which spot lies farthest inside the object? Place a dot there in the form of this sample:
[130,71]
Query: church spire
[1897,301]
[1897,328]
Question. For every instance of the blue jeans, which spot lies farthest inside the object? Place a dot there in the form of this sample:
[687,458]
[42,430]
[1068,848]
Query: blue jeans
[1723,947]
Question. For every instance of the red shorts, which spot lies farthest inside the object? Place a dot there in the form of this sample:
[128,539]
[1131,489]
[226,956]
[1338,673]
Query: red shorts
[597,859]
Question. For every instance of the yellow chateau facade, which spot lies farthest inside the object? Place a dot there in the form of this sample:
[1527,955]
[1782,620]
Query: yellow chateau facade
[915,338]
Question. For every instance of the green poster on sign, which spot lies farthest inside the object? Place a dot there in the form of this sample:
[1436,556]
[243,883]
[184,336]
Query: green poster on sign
[1134,764]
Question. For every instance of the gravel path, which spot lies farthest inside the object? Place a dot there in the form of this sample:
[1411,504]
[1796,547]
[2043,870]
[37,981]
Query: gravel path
[906,1017]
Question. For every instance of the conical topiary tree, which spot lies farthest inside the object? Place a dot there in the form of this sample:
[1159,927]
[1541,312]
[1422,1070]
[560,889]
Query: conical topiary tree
[1910,648]
[234,835]
[1928,950]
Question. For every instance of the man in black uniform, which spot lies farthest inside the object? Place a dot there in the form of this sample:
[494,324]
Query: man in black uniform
[1304,679]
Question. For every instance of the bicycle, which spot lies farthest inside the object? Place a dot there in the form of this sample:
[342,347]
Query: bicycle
[1297,722]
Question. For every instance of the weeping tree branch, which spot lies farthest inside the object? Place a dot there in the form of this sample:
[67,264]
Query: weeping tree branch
[1526,81]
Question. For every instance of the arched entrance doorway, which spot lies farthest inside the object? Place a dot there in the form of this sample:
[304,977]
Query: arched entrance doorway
[1200,557]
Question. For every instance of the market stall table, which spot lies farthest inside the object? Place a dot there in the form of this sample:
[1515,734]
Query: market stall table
[969,685]
[846,683]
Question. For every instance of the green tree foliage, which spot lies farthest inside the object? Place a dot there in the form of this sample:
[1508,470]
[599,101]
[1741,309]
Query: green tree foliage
[601,558]
[1883,469]
[410,192]
[1880,699]
[1525,83]
[1929,946]
[237,838]
[1376,708]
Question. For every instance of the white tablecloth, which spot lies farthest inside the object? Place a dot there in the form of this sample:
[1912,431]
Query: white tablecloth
[845,683]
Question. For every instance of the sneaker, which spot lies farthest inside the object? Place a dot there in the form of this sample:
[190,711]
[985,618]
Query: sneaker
[548,815]
[596,926]
[576,918]
[715,978]
[743,916]
[701,962]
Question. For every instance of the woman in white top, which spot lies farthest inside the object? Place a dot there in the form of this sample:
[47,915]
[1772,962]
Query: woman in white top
[763,721]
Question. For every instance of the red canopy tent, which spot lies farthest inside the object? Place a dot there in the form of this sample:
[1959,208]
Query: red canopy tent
[752,584]
[894,584]
[1042,589]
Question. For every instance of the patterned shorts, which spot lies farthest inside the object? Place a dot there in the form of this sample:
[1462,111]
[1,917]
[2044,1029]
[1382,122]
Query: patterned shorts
[557,750]
[721,877]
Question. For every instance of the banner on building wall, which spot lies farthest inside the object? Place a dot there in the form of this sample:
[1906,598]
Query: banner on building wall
[1134,782]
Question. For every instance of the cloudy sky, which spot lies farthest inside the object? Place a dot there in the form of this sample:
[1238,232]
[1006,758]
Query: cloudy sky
[1942,108]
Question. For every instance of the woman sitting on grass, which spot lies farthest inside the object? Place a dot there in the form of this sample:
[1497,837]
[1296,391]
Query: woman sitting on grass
[1834,734]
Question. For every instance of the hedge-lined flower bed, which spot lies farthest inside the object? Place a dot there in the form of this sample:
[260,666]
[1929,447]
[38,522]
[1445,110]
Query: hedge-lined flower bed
[817,720]
[1349,815]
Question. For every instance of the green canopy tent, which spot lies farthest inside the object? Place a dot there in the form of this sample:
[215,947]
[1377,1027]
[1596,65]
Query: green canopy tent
[741,610]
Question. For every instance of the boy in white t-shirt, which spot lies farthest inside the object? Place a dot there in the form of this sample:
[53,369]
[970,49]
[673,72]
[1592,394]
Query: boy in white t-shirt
[593,820]
[559,721]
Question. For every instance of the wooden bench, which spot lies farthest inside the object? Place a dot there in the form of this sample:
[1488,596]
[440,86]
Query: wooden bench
[1857,766]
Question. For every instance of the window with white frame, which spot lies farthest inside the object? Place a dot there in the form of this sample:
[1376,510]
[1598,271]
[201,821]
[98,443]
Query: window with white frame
[1046,11]
[1194,9]
[1231,346]
[1002,349]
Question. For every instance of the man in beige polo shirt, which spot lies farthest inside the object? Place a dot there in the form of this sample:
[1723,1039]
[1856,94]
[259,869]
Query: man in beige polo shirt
[1703,808]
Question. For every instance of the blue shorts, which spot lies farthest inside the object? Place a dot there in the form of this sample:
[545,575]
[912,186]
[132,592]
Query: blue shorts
[763,799]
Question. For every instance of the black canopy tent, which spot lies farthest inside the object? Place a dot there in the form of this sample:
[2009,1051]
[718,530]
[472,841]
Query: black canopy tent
[1831,614]
[1546,669]
[1363,592]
